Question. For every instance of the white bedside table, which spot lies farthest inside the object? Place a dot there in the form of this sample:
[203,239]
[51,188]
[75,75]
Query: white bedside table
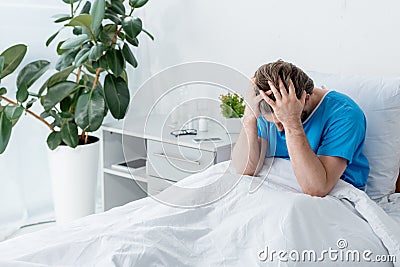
[169,158]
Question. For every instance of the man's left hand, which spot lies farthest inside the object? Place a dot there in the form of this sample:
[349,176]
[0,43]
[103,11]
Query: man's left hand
[287,107]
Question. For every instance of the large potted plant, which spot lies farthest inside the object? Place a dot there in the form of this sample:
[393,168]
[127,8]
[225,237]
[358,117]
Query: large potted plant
[90,81]
[232,108]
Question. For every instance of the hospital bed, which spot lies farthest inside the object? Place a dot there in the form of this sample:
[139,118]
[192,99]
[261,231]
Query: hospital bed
[248,221]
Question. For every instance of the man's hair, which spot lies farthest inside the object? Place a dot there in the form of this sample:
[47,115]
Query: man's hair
[286,71]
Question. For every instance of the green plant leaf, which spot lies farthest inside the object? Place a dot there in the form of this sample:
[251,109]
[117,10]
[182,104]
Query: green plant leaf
[86,8]
[58,92]
[12,58]
[1,64]
[60,76]
[30,73]
[77,30]
[89,112]
[54,140]
[117,97]
[62,19]
[96,51]
[132,41]
[114,18]
[83,20]
[5,131]
[69,1]
[148,34]
[97,13]
[118,7]
[132,26]
[66,59]
[13,113]
[75,41]
[115,61]
[55,78]
[82,57]
[129,57]
[30,103]
[137,3]
[22,95]
[3,90]
[51,38]
[69,134]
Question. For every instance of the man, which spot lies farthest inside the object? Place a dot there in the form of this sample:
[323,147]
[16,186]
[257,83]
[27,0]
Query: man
[321,132]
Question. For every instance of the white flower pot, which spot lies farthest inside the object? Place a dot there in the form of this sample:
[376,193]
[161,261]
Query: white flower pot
[74,177]
[233,125]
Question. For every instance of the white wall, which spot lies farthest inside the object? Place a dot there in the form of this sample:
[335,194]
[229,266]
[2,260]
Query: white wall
[352,37]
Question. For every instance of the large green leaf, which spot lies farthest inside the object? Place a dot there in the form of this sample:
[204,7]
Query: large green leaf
[12,58]
[117,95]
[28,75]
[58,92]
[97,13]
[86,8]
[89,112]
[132,26]
[83,20]
[13,113]
[82,57]
[1,64]
[118,7]
[115,61]
[111,16]
[137,3]
[96,51]
[54,140]
[5,131]
[55,78]
[127,53]
[69,1]
[69,134]
[75,41]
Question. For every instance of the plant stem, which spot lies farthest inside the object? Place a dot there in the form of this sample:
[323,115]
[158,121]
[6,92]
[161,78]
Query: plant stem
[114,39]
[72,7]
[78,76]
[96,79]
[30,112]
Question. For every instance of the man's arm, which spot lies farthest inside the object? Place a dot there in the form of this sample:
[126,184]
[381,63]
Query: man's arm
[317,175]
[246,153]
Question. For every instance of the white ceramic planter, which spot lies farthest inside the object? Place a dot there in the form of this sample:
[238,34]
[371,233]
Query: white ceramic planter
[74,178]
[233,125]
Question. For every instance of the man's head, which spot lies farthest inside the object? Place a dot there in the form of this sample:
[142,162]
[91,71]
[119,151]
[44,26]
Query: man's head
[284,71]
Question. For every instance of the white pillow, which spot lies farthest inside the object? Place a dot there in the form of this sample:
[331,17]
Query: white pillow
[379,98]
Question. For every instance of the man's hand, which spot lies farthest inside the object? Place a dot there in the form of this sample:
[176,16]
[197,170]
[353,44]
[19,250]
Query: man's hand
[252,110]
[287,107]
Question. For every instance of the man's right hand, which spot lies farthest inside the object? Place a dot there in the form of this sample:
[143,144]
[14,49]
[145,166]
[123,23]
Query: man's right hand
[252,110]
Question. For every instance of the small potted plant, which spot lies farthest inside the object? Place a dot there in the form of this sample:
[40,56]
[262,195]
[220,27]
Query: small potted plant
[232,108]
[90,81]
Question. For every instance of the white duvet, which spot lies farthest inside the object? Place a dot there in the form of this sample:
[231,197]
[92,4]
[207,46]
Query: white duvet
[241,228]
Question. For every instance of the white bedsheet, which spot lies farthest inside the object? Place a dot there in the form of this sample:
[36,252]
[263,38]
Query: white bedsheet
[233,231]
